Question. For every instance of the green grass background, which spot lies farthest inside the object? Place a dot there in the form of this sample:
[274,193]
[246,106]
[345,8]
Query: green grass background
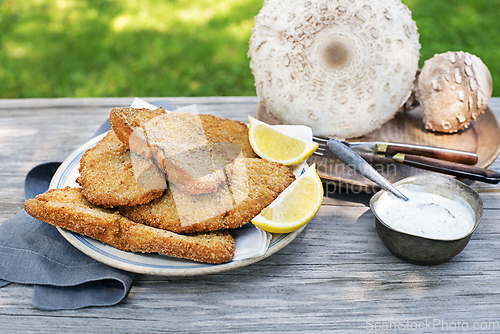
[98,48]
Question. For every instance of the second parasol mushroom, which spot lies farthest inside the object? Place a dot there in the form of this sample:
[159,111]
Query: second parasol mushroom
[454,88]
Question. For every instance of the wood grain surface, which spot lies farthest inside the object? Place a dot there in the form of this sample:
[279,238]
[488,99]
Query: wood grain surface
[481,137]
[336,276]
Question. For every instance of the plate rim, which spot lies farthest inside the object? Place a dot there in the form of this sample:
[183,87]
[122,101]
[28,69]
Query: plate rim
[278,241]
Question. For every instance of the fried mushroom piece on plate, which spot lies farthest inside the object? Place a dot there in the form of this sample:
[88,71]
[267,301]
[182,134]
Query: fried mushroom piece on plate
[222,130]
[110,175]
[69,209]
[191,149]
[252,184]
[177,144]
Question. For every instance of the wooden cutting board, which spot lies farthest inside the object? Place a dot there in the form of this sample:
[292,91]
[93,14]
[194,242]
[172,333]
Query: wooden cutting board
[482,137]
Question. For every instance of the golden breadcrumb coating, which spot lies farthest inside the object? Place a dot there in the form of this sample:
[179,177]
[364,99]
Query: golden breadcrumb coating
[252,184]
[215,183]
[110,176]
[191,149]
[125,120]
[224,130]
[69,209]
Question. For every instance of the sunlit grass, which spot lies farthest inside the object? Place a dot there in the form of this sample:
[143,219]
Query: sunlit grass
[52,48]
[460,25]
[87,48]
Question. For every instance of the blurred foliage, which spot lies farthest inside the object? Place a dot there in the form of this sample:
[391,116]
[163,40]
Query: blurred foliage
[471,26]
[83,48]
[92,48]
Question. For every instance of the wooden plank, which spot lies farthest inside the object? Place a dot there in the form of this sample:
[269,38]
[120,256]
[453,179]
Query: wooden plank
[336,276]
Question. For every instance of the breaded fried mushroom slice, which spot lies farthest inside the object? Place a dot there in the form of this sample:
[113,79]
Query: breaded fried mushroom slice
[178,145]
[124,121]
[69,209]
[190,148]
[222,130]
[252,184]
[110,176]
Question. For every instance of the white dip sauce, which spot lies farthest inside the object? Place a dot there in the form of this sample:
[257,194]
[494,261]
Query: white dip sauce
[426,214]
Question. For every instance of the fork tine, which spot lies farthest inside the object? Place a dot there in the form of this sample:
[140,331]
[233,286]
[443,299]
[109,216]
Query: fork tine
[320,140]
[322,146]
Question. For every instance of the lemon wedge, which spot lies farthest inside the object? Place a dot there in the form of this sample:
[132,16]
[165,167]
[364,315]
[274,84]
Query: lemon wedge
[295,206]
[271,144]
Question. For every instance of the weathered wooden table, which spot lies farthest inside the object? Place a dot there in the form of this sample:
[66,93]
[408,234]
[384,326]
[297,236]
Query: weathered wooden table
[335,276]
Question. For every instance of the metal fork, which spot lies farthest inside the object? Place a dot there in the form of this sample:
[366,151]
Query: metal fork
[322,150]
[427,163]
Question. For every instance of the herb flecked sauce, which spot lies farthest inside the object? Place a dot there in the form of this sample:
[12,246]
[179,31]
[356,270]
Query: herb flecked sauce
[426,214]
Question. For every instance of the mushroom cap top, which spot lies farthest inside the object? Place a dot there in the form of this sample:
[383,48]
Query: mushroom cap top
[341,67]
[453,89]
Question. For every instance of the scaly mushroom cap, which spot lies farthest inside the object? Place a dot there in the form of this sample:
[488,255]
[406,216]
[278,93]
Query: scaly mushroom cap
[454,88]
[341,67]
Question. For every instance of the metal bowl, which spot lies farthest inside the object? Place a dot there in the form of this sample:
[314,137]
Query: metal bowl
[421,250]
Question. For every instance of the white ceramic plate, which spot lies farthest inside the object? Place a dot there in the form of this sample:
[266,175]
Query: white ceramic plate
[152,264]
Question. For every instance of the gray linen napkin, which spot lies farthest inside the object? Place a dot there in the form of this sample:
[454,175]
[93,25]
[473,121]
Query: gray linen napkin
[34,252]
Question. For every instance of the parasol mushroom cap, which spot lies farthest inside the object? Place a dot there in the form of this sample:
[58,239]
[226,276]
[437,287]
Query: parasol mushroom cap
[453,89]
[341,67]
